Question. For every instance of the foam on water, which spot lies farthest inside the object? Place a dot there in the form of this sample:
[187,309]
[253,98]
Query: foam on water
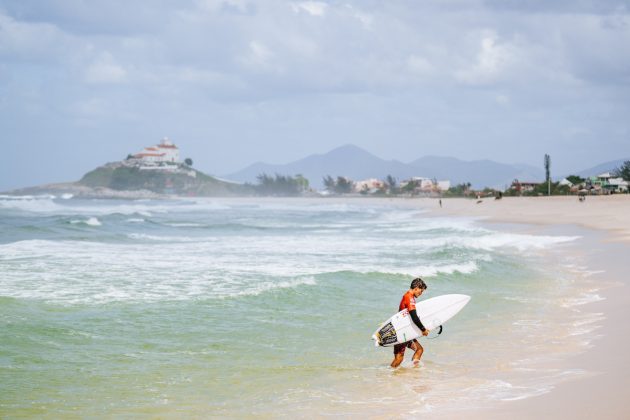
[92,221]
[153,279]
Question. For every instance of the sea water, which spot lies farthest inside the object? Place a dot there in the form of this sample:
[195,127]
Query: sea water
[243,307]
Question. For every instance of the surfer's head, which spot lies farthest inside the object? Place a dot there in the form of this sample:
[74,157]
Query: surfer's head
[418,286]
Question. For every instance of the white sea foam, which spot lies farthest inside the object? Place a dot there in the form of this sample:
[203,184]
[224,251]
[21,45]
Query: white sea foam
[166,238]
[493,241]
[583,299]
[136,220]
[4,197]
[265,287]
[465,268]
[92,221]
[37,204]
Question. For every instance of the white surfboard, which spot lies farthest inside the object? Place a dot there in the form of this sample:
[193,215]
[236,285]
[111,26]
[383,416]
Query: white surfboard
[432,313]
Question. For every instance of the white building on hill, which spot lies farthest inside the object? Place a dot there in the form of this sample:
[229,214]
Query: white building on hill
[166,151]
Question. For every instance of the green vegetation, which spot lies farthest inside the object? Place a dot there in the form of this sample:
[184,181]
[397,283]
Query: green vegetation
[410,187]
[281,185]
[459,190]
[553,188]
[623,171]
[550,188]
[178,180]
[341,185]
[390,183]
[575,180]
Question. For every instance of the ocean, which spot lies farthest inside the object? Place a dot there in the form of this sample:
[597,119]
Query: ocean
[265,307]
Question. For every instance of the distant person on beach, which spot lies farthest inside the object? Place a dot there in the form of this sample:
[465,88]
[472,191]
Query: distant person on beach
[408,302]
[440,203]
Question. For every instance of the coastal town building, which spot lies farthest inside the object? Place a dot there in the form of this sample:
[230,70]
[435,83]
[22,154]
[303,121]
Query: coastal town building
[606,183]
[166,152]
[422,185]
[524,186]
[369,185]
[443,185]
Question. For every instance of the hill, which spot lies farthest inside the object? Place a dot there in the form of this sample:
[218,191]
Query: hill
[177,179]
[601,168]
[131,179]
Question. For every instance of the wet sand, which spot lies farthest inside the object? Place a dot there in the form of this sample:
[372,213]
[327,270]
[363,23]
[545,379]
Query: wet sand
[605,250]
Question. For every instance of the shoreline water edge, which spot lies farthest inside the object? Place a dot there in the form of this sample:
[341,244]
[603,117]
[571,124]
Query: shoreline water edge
[543,337]
[600,253]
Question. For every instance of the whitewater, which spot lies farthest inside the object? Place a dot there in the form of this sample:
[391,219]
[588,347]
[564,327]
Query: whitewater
[238,307]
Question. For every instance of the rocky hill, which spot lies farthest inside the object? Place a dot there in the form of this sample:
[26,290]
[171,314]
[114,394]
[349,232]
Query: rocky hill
[133,179]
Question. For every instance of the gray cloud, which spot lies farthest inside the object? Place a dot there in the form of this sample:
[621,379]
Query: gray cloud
[235,81]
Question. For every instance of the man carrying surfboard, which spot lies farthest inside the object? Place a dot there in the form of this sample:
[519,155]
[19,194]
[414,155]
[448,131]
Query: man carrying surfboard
[408,302]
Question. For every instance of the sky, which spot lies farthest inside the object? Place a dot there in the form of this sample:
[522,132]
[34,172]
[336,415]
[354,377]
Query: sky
[233,82]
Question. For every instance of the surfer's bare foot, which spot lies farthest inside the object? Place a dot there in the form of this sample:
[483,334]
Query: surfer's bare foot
[416,363]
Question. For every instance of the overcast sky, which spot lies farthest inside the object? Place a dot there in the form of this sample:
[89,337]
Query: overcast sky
[232,82]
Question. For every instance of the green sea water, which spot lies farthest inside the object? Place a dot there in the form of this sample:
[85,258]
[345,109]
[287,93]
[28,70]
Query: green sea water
[239,308]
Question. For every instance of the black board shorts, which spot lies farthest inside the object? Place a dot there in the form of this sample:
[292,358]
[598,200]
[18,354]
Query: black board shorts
[400,348]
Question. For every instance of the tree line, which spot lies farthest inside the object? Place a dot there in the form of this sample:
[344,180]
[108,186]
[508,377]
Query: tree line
[281,185]
[286,185]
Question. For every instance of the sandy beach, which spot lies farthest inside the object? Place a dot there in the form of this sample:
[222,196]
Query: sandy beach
[608,213]
[604,224]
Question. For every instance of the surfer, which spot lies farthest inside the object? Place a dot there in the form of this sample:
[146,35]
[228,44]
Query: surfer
[408,302]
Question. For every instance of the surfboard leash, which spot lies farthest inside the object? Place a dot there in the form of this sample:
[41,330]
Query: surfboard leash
[438,334]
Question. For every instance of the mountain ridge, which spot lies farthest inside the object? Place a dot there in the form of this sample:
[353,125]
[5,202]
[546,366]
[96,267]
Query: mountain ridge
[356,163]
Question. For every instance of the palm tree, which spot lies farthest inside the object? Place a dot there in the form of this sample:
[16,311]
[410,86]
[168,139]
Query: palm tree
[623,171]
[391,182]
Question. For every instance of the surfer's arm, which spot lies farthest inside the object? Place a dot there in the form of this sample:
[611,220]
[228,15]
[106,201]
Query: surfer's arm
[416,320]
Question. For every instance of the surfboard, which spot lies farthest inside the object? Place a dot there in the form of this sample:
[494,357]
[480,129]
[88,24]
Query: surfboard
[432,312]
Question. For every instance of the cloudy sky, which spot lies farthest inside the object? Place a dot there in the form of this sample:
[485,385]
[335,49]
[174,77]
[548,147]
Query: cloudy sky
[235,81]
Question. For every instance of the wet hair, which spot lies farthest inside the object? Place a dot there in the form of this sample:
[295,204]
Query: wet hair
[418,282]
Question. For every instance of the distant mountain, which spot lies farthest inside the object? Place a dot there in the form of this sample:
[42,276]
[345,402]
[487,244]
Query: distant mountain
[601,168]
[480,173]
[355,163]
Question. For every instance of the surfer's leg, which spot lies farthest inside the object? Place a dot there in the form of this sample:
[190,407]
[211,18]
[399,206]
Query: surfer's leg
[398,358]
[415,345]
[399,354]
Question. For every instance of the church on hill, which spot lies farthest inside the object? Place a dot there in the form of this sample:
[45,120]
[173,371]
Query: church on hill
[166,151]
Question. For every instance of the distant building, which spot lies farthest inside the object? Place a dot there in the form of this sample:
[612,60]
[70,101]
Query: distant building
[522,187]
[444,185]
[425,185]
[166,151]
[371,185]
[617,185]
[605,183]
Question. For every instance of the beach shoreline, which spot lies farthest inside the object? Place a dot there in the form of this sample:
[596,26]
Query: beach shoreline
[522,263]
[604,228]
